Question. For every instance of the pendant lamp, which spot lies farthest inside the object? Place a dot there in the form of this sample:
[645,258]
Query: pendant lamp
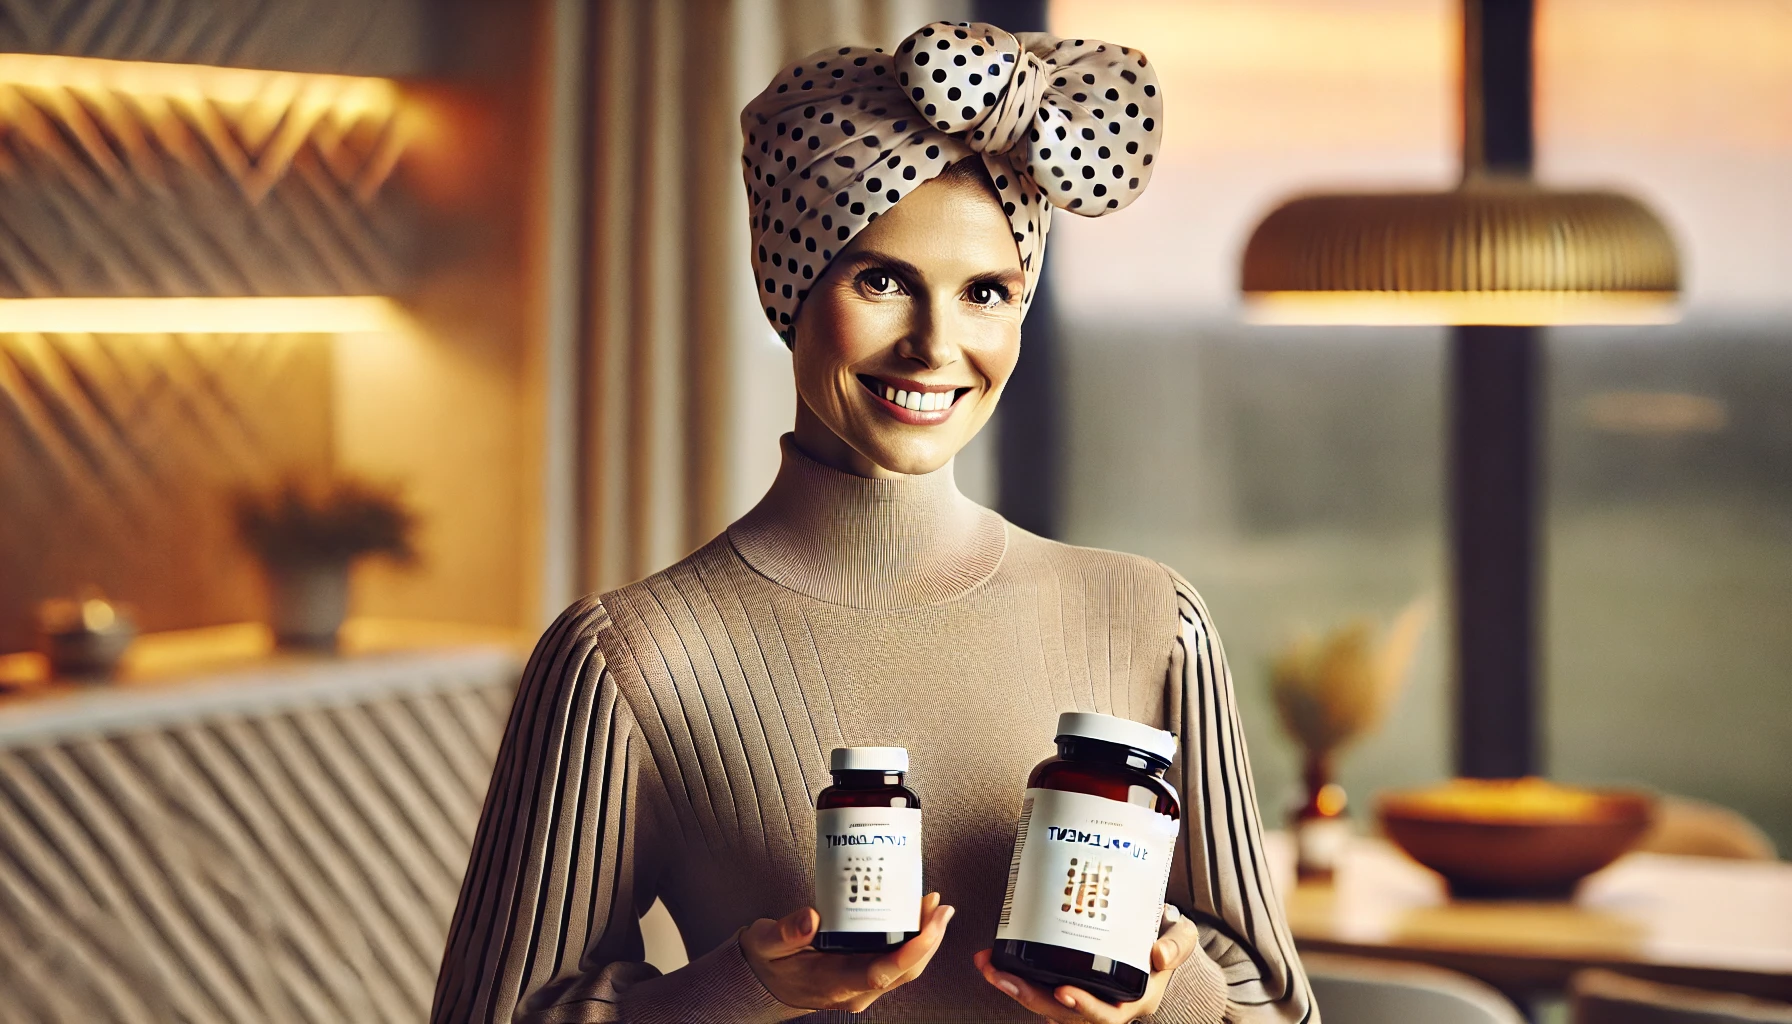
[1497,249]
[1494,258]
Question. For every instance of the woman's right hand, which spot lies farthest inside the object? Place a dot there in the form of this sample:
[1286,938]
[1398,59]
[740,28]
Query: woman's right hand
[800,976]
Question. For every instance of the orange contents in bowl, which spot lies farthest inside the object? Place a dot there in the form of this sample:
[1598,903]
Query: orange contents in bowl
[1503,800]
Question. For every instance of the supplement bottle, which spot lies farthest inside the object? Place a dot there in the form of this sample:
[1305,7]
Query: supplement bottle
[867,853]
[1091,860]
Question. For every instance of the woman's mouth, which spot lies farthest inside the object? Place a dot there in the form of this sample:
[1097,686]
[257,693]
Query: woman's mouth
[913,402]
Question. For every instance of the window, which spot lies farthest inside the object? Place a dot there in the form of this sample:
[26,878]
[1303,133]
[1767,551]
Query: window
[1296,475]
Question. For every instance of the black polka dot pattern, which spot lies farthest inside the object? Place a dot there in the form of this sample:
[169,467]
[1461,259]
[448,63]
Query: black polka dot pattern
[842,135]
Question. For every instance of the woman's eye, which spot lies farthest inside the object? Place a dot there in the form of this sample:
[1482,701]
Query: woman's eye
[878,282]
[986,295]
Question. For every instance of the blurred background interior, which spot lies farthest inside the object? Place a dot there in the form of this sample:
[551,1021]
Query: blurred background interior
[436,313]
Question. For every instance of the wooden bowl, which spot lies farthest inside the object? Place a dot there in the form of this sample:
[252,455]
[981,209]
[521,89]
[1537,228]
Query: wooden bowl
[1516,838]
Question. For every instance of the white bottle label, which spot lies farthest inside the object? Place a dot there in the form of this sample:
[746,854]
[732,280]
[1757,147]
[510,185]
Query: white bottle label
[1088,873]
[868,869]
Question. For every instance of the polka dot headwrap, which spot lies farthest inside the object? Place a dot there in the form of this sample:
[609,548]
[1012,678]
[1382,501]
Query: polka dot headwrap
[842,135]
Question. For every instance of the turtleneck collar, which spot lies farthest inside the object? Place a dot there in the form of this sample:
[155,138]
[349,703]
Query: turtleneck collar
[845,539]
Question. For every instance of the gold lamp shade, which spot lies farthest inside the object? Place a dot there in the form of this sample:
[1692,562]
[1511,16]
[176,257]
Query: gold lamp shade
[1489,252]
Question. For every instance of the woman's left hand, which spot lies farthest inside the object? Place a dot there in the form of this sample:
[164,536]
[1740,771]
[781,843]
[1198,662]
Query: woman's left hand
[1071,1005]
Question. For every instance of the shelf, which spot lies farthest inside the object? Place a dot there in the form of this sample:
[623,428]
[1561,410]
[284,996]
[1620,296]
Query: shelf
[235,669]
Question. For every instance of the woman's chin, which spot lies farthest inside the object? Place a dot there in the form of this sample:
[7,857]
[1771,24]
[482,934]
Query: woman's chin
[908,456]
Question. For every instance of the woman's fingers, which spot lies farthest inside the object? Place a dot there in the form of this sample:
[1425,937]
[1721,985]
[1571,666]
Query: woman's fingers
[945,915]
[1068,1004]
[781,953]
[1095,1010]
[1174,945]
[929,906]
[905,962]
[1040,1001]
[771,948]
[770,939]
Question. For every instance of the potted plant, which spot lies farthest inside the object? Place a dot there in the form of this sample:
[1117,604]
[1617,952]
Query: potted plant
[307,533]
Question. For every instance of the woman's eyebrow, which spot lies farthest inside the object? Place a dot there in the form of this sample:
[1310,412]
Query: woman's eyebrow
[1013,280]
[901,267]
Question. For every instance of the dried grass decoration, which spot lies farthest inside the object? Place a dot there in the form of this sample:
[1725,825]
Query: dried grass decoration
[1331,690]
[307,532]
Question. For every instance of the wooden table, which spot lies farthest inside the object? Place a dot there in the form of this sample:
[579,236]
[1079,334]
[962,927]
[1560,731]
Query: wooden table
[1716,924]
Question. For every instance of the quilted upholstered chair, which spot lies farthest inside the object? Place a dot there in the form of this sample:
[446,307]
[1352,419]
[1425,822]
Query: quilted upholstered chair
[1695,828]
[1358,990]
[1602,997]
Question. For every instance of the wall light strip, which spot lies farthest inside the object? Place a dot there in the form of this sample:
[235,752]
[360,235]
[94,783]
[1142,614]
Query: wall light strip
[224,85]
[321,314]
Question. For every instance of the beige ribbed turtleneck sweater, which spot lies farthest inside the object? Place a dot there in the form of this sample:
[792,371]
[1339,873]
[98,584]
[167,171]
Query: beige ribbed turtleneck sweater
[669,739]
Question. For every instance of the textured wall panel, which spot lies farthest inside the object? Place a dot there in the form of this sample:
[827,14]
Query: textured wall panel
[118,454]
[119,191]
[295,864]
[360,37]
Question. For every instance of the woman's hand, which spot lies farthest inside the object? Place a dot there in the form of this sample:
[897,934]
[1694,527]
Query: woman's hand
[798,975]
[1071,1005]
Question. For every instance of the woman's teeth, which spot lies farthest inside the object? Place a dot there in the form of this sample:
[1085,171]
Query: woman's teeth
[919,401]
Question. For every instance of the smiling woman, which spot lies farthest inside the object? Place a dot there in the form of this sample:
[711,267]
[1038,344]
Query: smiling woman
[669,735]
[903,346]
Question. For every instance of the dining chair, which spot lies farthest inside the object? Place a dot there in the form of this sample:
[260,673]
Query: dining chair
[1698,828]
[1602,997]
[1360,990]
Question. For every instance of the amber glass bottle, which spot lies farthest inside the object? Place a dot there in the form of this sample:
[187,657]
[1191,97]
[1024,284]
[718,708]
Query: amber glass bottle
[1091,860]
[867,853]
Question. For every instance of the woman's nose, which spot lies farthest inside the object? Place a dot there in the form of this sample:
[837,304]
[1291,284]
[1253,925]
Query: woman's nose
[933,342]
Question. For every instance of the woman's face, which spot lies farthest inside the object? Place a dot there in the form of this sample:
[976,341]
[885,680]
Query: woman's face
[904,344]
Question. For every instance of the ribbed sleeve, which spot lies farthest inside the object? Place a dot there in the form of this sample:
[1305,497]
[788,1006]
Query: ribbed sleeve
[1196,993]
[1221,877]
[548,923]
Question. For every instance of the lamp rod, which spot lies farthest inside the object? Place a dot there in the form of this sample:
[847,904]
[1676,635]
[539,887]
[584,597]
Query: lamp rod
[1496,430]
[1497,74]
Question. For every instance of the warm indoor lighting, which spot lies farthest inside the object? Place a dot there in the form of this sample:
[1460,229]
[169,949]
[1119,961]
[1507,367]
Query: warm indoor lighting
[1410,309]
[1499,250]
[344,95]
[1494,251]
[129,118]
[320,314]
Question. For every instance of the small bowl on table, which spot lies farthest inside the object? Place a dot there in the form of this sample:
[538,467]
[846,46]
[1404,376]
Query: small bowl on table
[1514,838]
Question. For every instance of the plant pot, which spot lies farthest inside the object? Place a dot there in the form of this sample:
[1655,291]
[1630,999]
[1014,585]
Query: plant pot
[307,603]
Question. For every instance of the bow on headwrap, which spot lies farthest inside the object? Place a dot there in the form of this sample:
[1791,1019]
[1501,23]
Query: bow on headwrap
[844,134]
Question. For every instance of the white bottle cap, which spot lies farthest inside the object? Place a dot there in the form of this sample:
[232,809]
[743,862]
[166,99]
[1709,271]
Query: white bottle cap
[1137,735]
[869,759]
